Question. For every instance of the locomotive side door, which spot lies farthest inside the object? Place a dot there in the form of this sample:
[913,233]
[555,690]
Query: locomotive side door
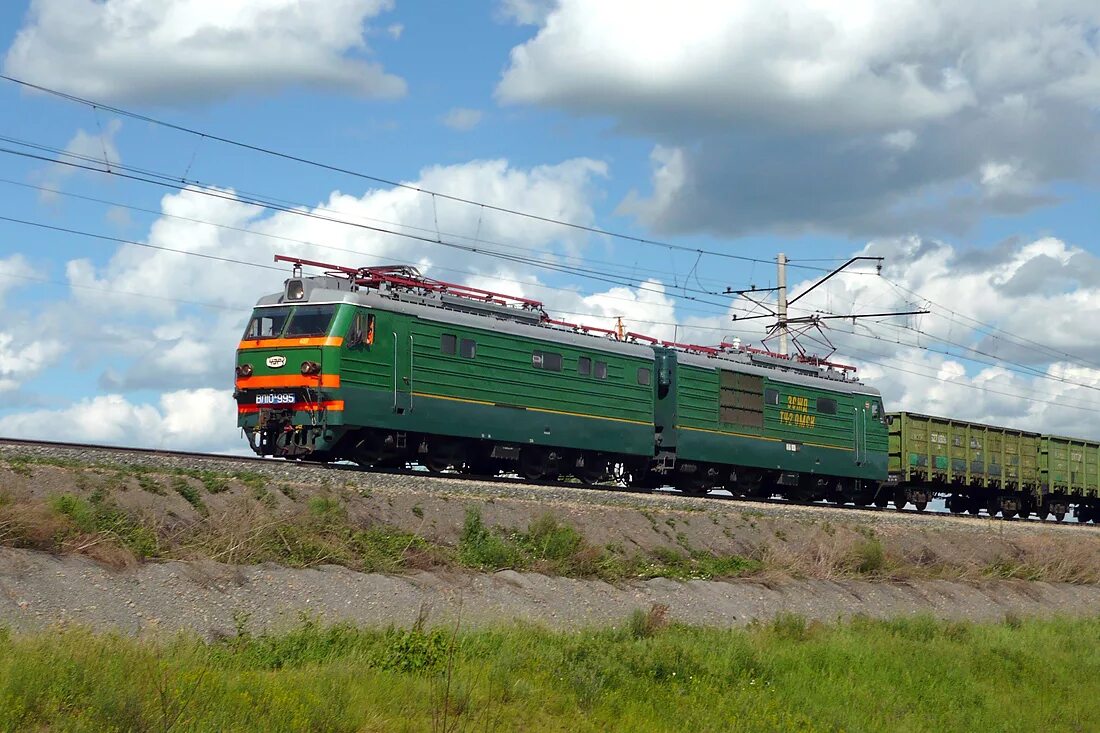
[859,429]
[402,363]
[664,412]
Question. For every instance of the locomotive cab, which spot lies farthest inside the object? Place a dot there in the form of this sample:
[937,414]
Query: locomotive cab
[288,366]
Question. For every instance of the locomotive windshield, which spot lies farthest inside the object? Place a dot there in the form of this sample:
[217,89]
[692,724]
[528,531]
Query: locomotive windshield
[290,321]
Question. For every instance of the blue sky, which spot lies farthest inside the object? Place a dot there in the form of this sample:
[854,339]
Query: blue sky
[957,140]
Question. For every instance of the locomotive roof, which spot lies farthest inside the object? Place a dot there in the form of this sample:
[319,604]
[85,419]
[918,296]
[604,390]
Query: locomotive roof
[810,377]
[329,289]
[424,307]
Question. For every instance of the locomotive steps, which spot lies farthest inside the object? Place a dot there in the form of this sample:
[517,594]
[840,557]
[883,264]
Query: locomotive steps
[144,541]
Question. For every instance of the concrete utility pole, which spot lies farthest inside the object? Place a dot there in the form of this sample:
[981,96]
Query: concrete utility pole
[781,310]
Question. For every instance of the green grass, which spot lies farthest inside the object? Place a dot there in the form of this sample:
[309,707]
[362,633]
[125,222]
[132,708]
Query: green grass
[554,548]
[98,516]
[190,494]
[912,675]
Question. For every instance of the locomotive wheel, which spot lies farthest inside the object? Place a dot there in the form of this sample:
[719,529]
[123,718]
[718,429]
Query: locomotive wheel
[752,487]
[533,464]
[882,501]
[644,480]
[435,464]
[591,474]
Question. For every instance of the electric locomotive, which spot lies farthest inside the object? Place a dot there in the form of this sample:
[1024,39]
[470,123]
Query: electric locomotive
[384,367]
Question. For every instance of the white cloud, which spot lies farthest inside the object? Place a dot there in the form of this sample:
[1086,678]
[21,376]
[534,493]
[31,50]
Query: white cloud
[863,116]
[23,359]
[173,51]
[201,419]
[900,139]
[162,343]
[562,191]
[1004,316]
[14,272]
[394,30]
[462,118]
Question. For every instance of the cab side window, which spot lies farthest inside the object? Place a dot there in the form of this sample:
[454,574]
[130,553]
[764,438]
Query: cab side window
[361,330]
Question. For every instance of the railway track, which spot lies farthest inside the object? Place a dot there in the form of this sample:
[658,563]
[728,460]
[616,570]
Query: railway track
[506,480]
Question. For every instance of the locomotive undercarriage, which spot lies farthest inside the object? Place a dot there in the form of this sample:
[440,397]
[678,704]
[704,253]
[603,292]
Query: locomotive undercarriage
[276,434]
[384,449]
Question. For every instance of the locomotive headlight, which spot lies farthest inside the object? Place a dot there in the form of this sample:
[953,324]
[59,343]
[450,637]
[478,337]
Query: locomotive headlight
[244,370]
[311,367]
[295,289]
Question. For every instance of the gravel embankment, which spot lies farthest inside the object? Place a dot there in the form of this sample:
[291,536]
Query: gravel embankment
[38,591]
[811,558]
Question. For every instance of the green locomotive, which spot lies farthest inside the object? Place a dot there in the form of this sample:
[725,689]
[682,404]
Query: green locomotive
[384,367]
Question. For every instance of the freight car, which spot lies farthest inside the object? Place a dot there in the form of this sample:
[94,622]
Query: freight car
[384,367]
[1001,470]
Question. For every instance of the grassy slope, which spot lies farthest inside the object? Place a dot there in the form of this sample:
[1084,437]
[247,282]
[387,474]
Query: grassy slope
[246,518]
[898,676]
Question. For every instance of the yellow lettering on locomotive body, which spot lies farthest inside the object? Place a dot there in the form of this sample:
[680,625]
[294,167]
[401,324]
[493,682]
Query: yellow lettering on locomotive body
[797,419]
[799,404]
[797,413]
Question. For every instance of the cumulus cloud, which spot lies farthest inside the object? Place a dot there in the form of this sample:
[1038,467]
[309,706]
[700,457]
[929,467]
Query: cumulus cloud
[165,342]
[22,360]
[14,272]
[203,49]
[1013,336]
[462,119]
[858,117]
[562,191]
[202,419]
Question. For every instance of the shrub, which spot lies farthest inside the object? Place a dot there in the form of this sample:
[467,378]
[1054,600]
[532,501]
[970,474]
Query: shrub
[644,624]
[479,547]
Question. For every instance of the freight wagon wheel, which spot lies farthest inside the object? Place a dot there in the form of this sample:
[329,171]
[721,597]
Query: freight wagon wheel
[920,505]
[1042,513]
[882,501]
[1059,516]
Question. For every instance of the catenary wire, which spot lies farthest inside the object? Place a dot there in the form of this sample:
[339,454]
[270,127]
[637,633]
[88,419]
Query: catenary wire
[376,179]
